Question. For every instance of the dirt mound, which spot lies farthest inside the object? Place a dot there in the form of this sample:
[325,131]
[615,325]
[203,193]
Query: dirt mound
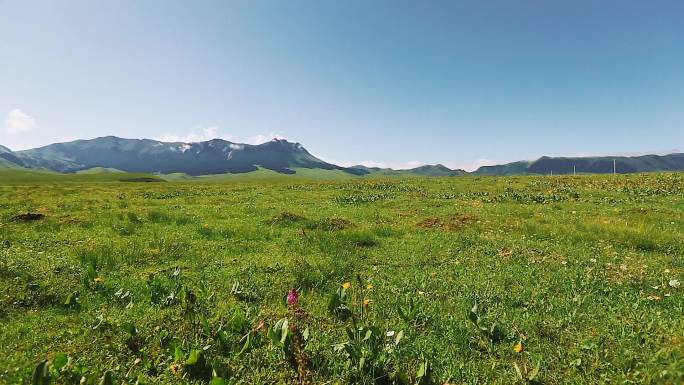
[28,217]
[334,224]
[143,179]
[331,224]
[286,217]
[452,222]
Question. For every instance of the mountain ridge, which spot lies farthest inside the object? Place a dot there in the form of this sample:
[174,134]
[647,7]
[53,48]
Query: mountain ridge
[8,159]
[215,156]
[592,165]
[219,156]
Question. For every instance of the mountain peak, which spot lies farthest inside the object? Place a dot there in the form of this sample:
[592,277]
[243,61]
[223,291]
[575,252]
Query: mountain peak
[215,156]
[436,170]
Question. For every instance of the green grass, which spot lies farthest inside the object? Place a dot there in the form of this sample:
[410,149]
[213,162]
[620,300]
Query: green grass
[100,170]
[262,173]
[179,282]
[32,177]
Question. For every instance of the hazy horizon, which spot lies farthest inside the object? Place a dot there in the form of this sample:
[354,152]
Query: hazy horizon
[407,165]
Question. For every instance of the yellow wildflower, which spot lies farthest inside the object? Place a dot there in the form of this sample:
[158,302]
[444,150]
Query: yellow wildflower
[346,285]
[176,369]
[369,287]
[98,280]
[366,302]
[518,348]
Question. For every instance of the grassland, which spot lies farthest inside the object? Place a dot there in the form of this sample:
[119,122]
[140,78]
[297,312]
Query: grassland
[462,280]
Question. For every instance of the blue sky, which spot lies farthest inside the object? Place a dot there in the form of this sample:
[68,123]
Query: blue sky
[393,83]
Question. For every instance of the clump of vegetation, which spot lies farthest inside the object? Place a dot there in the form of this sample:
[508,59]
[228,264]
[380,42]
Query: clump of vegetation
[330,224]
[451,222]
[286,218]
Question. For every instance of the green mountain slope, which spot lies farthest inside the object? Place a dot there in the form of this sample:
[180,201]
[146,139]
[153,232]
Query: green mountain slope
[519,167]
[426,170]
[215,156]
[9,160]
[179,160]
[593,165]
[436,170]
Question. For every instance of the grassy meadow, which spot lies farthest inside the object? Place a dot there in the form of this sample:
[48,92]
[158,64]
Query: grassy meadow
[461,280]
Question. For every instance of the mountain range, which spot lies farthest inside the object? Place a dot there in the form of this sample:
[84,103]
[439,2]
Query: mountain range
[594,165]
[218,156]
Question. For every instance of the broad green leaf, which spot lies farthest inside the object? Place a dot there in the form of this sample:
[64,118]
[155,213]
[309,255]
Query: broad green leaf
[535,372]
[472,315]
[284,331]
[130,328]
[247,345]
[194,357]
[517,370]
[107,379]
[60,360]
[178,353]
[398,337]
[41,374]
[422,370]
[217,381]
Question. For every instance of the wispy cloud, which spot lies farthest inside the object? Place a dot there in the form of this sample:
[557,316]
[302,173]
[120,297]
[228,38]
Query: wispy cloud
[470,166]
[629,153]
[18,122]
[474,165]
[262,138]
[409,165]
[197,135]
[202,134]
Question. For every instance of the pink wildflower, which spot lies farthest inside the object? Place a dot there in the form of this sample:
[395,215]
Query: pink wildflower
[292,297]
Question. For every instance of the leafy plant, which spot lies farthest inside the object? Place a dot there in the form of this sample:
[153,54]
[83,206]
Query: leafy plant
[526,374]
[368,351]
[133,341]
[279,333]
[72,300]
[411,313]
[490,330]
[424,374]
[338,304]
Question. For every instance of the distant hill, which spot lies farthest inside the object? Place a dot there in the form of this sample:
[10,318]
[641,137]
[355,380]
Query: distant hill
[185,161]
[215,156]
[9,159]
[100,170]
[593,165]
[513,168]
[426,170]
[435,170]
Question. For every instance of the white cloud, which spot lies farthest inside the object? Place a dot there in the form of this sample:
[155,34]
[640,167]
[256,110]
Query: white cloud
[68,138]
[628,153]
[261,138]
[199,135]
[367,163]
[213,132]
[18,122]
[409,165]
[472,166]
